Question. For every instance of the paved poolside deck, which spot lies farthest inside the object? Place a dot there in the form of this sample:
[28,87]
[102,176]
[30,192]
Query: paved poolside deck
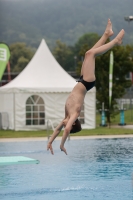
[59,138]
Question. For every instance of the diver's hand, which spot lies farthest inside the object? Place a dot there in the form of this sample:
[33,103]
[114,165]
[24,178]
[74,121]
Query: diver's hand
[63,149]
[49,147]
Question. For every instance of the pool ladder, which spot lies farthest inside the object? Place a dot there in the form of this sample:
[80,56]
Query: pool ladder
[49,121]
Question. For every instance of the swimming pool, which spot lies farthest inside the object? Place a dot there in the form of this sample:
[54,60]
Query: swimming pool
[96,169]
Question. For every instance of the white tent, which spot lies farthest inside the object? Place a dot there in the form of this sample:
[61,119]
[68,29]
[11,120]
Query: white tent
[39,93]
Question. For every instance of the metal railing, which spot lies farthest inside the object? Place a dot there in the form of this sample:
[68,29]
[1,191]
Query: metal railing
[49,121]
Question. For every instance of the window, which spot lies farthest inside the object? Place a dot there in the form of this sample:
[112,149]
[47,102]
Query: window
[35,112]
[81,117]
[128,76]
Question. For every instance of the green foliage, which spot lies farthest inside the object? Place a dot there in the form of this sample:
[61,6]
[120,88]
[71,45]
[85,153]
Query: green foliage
[64,55]
[30,21]
[84,43]
[123,64]
[20,56]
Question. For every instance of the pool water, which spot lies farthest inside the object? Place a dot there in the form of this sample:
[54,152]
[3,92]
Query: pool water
[99,169]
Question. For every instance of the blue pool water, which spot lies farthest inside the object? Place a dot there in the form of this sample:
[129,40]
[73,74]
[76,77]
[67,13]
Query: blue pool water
[100,169]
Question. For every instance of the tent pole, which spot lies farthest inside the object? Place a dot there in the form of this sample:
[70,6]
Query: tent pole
[14,111]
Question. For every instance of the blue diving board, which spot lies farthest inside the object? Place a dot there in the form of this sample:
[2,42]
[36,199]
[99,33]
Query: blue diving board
[10,160]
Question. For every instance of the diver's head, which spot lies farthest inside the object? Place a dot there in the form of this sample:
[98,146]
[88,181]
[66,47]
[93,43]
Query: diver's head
[76,127]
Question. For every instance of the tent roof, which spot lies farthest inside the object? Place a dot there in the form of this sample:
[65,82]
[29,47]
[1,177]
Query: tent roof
[43,73]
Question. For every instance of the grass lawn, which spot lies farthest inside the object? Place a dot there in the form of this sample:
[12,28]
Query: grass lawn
[97,131]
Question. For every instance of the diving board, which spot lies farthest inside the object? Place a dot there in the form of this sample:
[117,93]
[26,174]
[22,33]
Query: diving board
[10,160]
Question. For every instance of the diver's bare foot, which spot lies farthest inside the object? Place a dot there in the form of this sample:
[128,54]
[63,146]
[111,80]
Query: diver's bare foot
[119,37]
[63,149]
[49,147]
[108,31]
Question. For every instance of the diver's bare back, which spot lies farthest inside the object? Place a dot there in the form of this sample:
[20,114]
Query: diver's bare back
[75,99]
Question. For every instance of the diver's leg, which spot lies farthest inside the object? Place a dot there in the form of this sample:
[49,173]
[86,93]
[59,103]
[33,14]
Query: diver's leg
[107,33]
[89,61]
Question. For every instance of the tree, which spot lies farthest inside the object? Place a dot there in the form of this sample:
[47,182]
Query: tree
[20,56]
[83,44]
[87,40]
[123,64]
[64,55]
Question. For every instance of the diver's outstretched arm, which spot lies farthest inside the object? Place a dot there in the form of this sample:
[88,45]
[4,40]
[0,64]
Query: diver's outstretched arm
[67,130]
[54,135]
